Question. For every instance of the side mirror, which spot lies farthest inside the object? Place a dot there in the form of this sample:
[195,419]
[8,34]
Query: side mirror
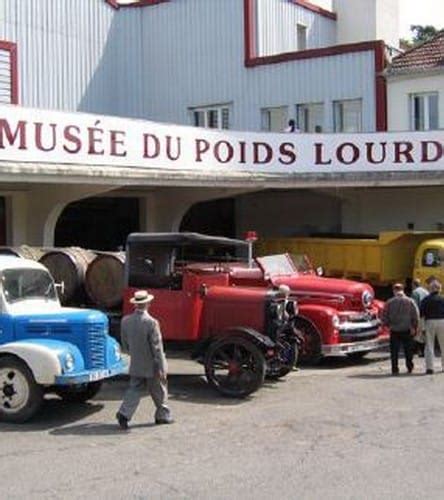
[320,271]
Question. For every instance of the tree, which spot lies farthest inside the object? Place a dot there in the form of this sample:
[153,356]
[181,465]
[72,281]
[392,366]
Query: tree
[422,33]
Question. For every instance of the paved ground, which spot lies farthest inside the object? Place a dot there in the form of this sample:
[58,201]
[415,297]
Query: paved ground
[345,430]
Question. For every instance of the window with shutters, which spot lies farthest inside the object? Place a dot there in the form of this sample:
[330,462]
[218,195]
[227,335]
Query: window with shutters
[8,73]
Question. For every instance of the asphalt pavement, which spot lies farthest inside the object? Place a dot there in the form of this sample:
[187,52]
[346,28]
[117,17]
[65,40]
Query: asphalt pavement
[344,430]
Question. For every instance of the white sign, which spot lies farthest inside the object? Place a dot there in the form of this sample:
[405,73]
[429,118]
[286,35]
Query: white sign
[34,135]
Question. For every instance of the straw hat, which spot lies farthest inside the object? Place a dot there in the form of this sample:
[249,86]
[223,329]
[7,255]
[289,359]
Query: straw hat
[141,297]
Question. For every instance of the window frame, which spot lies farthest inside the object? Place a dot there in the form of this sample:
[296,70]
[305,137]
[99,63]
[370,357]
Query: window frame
[222,112]
[426,98]
[266,120]
[302,122]
[343,102]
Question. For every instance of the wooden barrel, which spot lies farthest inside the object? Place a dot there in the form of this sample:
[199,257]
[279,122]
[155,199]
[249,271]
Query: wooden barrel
[104,279]
[23,251]
[68,266]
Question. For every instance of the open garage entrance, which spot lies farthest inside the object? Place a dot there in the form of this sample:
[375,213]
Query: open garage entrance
[98,223]
[215,217]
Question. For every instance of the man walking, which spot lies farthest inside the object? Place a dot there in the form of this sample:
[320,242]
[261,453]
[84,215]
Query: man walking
[432,310]
[141,338]
[401,315]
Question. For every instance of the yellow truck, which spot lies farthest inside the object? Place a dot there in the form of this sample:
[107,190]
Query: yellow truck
[390,257]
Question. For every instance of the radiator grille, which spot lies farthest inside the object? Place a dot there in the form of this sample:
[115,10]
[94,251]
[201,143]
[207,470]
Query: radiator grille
[96,346]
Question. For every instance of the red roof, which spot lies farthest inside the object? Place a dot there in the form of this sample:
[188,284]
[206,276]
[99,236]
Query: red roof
[428,56]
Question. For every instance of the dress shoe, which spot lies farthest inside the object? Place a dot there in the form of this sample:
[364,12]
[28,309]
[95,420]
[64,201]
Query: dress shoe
[164,421]
[429,372]
[122,421]
[410,368]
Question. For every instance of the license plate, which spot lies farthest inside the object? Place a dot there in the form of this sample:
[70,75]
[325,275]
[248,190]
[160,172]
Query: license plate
[94,376]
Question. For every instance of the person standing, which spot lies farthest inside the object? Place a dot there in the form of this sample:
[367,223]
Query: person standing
[432,310]
[401,316]
[142,339]
[418,294]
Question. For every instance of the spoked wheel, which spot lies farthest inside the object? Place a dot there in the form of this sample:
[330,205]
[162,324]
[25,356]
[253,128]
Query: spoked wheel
[287,355]
[20,395]
[310,351]
[235,367]
[79,394]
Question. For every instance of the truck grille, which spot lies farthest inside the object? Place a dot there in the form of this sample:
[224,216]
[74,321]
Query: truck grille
[45,329]
[96,346]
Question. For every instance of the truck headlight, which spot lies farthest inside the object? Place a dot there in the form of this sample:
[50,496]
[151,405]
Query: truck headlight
[69,362]
[117,352]
[367,298]
[335,321]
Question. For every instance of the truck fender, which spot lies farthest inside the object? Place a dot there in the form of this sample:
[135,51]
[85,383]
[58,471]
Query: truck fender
[41,360]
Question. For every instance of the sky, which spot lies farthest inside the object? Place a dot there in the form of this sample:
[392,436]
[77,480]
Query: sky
[420,12]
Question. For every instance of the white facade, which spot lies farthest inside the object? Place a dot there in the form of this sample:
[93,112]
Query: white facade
[400,93]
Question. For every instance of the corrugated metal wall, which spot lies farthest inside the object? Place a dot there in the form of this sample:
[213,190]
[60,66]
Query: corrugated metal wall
[5,77]
[277,27]
[75,54]
[194,56]
[158,62]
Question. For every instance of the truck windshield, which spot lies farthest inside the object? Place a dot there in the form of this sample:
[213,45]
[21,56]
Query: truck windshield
[23,284]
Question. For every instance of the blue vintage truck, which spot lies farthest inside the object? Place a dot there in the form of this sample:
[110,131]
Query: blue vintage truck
[45,347]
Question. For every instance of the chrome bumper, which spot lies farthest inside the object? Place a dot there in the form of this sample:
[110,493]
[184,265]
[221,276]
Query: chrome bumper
[351,347]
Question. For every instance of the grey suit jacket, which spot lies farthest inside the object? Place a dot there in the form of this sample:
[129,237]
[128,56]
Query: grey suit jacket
[141,338]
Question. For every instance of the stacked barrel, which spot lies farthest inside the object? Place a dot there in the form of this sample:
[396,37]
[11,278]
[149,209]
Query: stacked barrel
[88,277]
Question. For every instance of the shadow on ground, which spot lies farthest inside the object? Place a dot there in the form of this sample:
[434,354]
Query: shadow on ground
[55,413]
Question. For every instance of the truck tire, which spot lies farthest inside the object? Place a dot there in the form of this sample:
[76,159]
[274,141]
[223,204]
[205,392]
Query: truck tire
[235,367]
[310,352]
[288,356]
[20,395]
[79,394]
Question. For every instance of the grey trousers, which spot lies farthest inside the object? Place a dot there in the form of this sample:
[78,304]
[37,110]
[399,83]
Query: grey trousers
[138,386]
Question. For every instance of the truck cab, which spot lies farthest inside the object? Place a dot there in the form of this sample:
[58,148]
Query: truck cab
[45,347]
[429,260]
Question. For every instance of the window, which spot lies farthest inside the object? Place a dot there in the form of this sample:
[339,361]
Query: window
[301,31]
[432,257]
[212,117]
[348,115]
[274,119]
[424,111]
[310,117]
[8,73]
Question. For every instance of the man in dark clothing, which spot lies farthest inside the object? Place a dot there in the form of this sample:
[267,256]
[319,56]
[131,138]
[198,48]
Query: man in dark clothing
[401,315]
[432,310]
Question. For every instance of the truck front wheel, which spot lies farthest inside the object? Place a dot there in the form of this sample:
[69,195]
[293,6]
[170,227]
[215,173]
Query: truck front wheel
[20,395]
[310,351]
[235,367]
[79,394]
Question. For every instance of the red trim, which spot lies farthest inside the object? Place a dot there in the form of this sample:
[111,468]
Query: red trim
[141,3]
[381,88]
[12,49]
[378,47]
[316,9]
